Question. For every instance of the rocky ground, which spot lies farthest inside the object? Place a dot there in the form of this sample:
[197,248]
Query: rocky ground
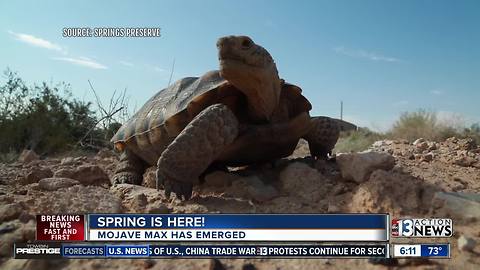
[423,179]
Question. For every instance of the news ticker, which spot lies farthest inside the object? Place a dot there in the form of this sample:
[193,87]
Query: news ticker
[63,250]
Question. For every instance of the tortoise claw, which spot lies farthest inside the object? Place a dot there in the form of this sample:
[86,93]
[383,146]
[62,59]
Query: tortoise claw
[182,190]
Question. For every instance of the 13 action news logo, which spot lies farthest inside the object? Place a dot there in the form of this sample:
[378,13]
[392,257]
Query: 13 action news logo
[425,227]
[37,251]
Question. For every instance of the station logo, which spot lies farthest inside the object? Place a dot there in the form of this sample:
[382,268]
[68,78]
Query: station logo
[425,227]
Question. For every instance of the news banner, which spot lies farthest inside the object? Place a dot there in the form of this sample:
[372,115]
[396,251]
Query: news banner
[232,236]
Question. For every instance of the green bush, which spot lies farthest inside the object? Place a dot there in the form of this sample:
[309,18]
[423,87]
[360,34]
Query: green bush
[410,126]
[473,132]
[355,141]
[414,125]
[44,118]
[424,124]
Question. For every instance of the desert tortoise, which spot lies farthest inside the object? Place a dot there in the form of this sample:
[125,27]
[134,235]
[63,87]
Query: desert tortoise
[242,114]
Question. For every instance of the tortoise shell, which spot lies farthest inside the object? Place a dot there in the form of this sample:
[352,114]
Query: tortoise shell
[166,114]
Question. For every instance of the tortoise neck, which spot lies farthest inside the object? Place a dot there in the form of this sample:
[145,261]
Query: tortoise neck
[262,102]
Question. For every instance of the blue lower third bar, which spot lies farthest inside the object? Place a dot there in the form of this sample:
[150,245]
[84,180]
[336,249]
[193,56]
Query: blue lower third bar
[127,251]
[435,250]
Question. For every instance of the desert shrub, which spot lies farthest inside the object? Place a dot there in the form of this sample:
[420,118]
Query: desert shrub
[8,157]
[44,118]
[473,132]
[359,140]
[414,125]
[425,124]
[411,126]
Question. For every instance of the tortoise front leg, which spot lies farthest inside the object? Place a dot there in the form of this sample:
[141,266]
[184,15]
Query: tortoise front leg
[129,170]
[322,136]
[195,148]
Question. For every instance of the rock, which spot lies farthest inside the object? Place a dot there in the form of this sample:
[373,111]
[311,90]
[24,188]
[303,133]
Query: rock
[34,264]
[27,156]
[25,217]
[35,175]
[418,141]
[90,175]
[300,180]
[427,157]
[391,192]
[7,227]
[383,261]
[150,178]
[215,264]
[20,191]
[467,144]
[422,146]
[158,208]
[140,200]
[462,206]
[10,211]
[359,166]
[23,233]
[220,179]
[333,208]
[80,159]
[78,199]
[460,144]
[378,144]
[148,263]
[54,183]
[464,161]
[339,189]
[64,172]
[466,243]
[67,161]
[432,146]
[249,266]
[130,194]
[262,193]
[7,199]
[252,187]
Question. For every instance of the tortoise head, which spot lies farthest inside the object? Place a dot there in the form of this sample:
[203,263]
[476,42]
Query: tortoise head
[251,69]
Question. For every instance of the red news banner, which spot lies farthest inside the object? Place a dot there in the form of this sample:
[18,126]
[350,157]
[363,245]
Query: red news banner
[61,227]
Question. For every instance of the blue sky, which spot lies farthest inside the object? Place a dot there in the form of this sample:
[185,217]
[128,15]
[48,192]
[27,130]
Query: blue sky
[380,57]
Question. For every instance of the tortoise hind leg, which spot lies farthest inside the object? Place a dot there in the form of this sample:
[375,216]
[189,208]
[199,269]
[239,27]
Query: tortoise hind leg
[195,148]
[130,169]
[322,136]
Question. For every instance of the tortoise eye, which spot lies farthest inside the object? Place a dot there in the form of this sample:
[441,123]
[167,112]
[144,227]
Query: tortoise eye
[246,43]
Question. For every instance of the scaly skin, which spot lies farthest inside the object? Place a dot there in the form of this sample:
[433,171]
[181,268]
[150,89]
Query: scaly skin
[130,169]
[322,136]
[195,148]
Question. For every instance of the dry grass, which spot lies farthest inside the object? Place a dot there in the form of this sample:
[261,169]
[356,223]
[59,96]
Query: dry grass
[424,124]
[410,126]
[356,141]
